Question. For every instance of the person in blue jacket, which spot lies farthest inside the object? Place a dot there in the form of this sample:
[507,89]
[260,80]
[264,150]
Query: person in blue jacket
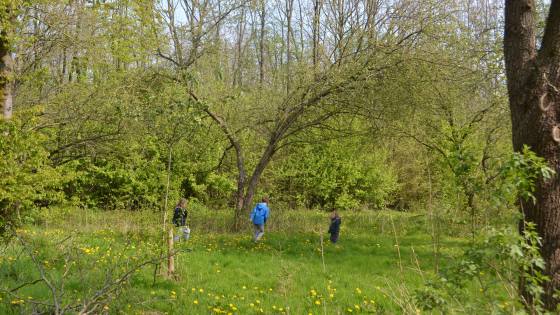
[259,216]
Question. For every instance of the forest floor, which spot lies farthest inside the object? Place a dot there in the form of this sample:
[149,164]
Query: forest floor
[372,270]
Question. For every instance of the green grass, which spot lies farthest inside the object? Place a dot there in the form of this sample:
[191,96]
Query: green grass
[286,272]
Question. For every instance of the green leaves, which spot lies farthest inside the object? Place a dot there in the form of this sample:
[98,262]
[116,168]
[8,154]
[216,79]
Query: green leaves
[27,180]
[517,174]
[338,173]
[485,269]
[465,165]
[503,253]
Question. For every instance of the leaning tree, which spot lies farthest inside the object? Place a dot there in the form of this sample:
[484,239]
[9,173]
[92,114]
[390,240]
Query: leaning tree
[533,80]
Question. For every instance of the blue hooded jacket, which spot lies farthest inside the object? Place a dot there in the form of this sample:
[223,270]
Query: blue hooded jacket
[260,214]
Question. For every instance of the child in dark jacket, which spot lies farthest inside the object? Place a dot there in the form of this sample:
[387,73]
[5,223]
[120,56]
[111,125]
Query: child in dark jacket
[180,214]
[334,229]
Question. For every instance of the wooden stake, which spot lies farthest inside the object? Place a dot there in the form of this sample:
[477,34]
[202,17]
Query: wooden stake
[171,259]
[322,249]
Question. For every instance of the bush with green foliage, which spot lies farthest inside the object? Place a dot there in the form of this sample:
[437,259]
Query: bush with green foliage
[132,178]
[337,174]
[27,181]
[476,282]
[493,274]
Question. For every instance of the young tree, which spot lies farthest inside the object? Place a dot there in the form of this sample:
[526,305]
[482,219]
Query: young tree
[533,78]
[171,120]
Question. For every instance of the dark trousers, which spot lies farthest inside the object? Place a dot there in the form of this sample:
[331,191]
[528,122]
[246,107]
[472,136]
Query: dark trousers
[334,238]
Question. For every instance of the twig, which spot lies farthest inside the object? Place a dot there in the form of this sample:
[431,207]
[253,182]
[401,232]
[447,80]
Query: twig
[53,290]
[436,248]
[23,285]
[417,264]
[246,273]
[398,250]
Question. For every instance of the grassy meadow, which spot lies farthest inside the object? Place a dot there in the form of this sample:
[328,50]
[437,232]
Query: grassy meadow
[105,259]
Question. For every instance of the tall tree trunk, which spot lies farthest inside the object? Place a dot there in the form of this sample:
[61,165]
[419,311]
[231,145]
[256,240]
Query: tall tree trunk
[251,187]
[240,176]
[239,215]
[289,10]
[532,81]
[261,59]
[238,62]
[339,35]
[6,76]
[316,20]
[219,22]
[370,15]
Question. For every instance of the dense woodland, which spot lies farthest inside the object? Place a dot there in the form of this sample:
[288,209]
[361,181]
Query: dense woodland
[320,105]
[339,104]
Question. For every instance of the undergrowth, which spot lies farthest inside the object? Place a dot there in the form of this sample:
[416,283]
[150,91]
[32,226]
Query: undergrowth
[111,262]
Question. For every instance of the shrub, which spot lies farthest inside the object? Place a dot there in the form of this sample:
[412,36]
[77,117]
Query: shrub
[27,181]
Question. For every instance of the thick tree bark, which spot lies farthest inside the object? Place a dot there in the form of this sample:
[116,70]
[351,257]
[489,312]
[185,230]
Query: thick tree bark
[6,74]
[532,82]
[263,162]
